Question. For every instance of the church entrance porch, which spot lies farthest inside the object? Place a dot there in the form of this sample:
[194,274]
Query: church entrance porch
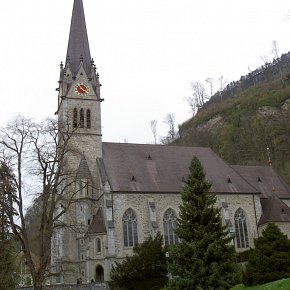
[99,274]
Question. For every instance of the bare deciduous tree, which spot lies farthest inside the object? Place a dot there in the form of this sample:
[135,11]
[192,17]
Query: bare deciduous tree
[222,83]
[210,82]
[153,126]
[198,98]
[275,52]
[192,104]
[266,67]
[35,155]
[275,49]
[172,134]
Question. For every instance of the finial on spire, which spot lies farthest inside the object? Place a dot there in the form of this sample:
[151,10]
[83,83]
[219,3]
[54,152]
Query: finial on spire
[269,157]
[270,164]
[61,65]
[81,58]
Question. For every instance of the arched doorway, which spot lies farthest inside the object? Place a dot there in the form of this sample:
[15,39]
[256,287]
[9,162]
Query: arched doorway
[99,274]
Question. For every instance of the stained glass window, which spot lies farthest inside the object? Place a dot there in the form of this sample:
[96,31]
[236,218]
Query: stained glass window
[242,239]
[130,228]
[169,224]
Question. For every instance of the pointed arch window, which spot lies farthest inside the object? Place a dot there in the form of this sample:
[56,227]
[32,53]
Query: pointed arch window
[82,118]
[169,224]
[98,246]
[242,239]
[88,118]
[130,228]
[75,118]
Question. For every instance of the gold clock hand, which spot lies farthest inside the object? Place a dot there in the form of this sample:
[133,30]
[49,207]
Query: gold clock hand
[85,91]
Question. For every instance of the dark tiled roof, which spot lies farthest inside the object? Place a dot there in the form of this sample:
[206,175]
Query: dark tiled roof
[97,225]
[78,44]
[265,180]
[158,168]
[102,171]
[274,210]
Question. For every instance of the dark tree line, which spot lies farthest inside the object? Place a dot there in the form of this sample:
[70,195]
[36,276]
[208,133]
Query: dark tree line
[269,71]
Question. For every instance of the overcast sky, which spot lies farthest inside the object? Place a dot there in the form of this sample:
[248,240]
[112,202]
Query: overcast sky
[147,54]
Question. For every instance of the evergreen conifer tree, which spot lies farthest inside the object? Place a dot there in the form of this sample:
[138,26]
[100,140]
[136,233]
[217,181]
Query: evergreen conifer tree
[7,243]
[148,262]
[204,258]
[270,259]
[8,275]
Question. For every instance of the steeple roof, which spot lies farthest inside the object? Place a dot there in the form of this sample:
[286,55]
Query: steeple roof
[97,225]
[78,44]
[83,170]
[274,210]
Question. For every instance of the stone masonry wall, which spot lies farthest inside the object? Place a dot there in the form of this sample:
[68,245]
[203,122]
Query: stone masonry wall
[140,204]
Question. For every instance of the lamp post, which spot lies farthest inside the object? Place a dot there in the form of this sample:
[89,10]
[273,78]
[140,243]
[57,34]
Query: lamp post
[169,276]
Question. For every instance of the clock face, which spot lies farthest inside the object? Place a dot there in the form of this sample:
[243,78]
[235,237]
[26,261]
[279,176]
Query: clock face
[81,89]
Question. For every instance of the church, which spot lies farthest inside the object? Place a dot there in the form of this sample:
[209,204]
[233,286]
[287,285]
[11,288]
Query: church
[129,192]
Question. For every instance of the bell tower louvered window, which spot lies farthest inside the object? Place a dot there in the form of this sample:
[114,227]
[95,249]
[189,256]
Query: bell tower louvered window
[169,224]
[75,118]
[130,228]
[241,230]
[88,118]
[82,118]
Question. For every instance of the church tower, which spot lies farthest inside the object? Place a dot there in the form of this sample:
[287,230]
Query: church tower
[79,116]
[79,89]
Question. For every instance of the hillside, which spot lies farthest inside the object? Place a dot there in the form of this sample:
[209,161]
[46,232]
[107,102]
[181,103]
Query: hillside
[243,125]
[283,284]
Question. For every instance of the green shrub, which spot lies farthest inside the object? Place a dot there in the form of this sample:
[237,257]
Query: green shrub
[270,259]
[147,263]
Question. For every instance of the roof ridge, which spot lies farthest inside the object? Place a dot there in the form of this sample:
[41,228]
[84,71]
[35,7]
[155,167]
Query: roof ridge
[156,145]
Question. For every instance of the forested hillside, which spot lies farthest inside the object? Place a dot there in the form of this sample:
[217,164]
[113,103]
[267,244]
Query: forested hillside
[250,116]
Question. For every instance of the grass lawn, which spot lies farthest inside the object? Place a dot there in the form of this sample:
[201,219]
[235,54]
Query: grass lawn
[283,284]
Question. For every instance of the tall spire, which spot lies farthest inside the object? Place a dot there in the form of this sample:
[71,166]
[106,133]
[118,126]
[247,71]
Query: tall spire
[78,44]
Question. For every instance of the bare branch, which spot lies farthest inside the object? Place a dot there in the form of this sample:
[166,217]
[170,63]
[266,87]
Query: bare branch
[36,153]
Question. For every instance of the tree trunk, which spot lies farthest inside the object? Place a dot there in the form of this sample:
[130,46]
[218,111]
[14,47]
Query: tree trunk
[37,283]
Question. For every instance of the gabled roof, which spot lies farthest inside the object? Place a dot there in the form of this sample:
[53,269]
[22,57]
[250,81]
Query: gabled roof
[159,168]
[97,225]
[265,180]
[274,210]
[78,44]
